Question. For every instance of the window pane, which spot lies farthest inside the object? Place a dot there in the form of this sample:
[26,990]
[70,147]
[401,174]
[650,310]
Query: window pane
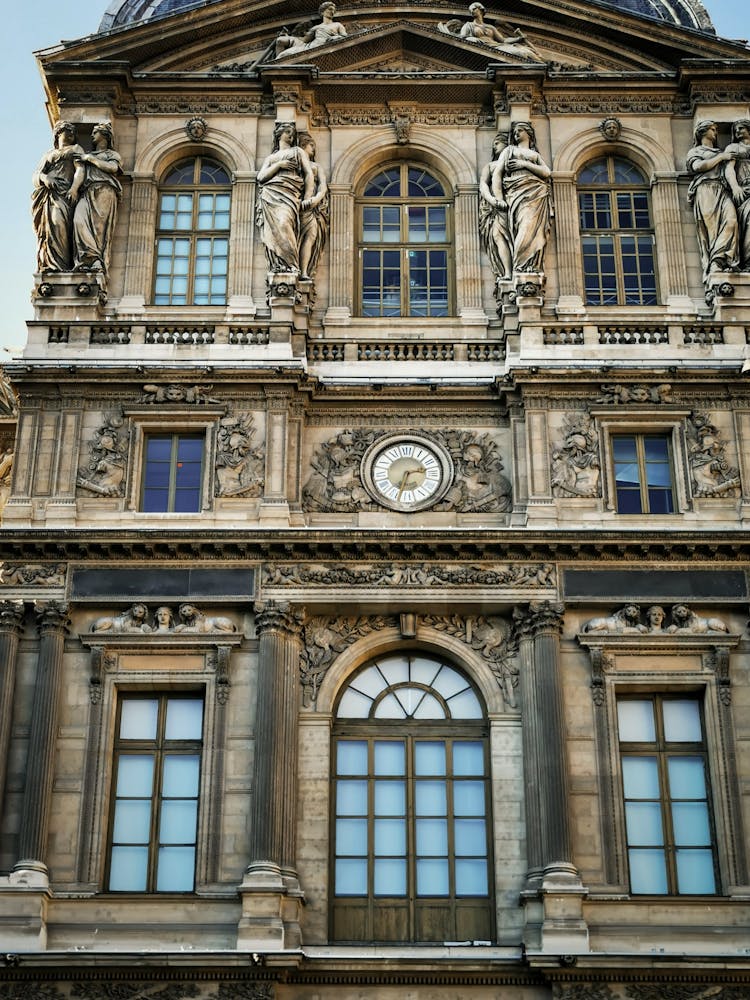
[390,799]
[690,824]
[351,757]
[184,719]
[390,708]
[180,778]
[465,706]
[687,779]
[471,877]
[429,707]
[468,798]
[389,757]
[354,705]
[432,877]
[135,775]
[470,837]
[351,877]
[176,871]
[682,721]
[390,877]
[449,682]
[351,798]
[648,872]
[395,669]
[430,799]
[636,721]
[132,821]
[351,836]
[138,719]
[178,821]
[695,872]
[390,837]
[468,758]
[371,682]
[429,758]
[432,837]
[644,825]
[640,777]
[128,869]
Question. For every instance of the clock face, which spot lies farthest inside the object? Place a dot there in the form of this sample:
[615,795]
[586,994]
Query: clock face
[407,473]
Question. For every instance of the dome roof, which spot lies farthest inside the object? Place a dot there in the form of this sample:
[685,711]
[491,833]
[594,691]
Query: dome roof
[688,13]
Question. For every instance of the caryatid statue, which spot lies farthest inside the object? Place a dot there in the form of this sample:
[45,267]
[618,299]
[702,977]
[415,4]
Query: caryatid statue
[53,201]
[710,194]
[493,220]
[314,219]
[737,172]
[286,181]
[97,192]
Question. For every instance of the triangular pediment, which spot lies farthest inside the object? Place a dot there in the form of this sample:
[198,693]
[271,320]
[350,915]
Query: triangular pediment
[228,34]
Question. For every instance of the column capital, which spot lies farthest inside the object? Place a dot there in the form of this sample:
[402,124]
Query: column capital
[51,616]
[538,617]
[273,616]
[11,616]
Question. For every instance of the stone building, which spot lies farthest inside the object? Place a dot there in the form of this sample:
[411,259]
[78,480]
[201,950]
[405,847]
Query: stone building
[374,570]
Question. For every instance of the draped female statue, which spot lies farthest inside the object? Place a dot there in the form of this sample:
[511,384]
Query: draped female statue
[98,191]
[52,201]
[285,181]
[493,220]
[314,218]
[737,172]
[710,195]
[521,185]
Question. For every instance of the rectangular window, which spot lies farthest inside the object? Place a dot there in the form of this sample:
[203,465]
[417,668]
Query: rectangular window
[155,804]
[665,788]
[643,473]
[172,473]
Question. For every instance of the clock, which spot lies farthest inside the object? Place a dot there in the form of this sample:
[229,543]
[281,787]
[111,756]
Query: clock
[406,473]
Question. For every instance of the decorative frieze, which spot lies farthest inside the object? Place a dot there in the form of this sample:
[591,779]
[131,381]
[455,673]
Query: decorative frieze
[174,392]
[33,574]
[628,620]
[189,618]
[510,575]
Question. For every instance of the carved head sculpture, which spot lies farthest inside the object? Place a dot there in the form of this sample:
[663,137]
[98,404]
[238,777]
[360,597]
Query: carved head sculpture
[477,9]
[741,130]
[284,128]
[655,617]
[610,129]
[103,129]
[64,133]
[326,7]
[703,129]
[305,141]
[498,144]
[517,128]
[164,618]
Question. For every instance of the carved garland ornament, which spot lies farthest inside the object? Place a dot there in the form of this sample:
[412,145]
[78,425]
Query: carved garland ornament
[33,574]
[408,575]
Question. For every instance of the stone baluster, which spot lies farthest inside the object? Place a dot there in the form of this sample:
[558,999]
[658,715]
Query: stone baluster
[11,625]
[52,625]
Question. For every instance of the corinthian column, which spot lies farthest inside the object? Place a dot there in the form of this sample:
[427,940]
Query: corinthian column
[270,892]
[52,625]
[11,623]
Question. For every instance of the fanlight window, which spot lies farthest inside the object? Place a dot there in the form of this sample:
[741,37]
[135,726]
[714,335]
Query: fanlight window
[404,234]
[192,242]
[411,859]
[617,235]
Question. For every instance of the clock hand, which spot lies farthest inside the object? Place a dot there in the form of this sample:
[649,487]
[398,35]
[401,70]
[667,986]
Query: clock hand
[405,478]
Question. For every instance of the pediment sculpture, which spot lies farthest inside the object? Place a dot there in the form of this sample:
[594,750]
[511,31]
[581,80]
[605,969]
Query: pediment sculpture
[477,30]
[310,36]
[137,618]
[629,620]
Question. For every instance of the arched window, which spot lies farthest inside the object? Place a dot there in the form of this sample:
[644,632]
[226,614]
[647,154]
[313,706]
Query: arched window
[192,241]
[617,236]
[411,855]
[404,242]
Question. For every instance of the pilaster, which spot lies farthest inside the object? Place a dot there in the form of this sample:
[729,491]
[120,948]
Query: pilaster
[242,246]
[139,260]
[11,625]
[468,268]
[341,257]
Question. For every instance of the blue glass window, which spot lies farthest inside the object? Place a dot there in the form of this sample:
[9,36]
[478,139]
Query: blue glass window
[172,473]
[643,473]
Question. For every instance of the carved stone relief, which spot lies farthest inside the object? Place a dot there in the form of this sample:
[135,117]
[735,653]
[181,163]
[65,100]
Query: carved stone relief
[711,474]
[188,619]
[628,620]
[33,574]
[480,32]
[323,640]
[540,575]
[615,393]
[101,989]
[239,467]
[105,473]
[576,463]
[336,486]
[648,991]
[309,36]
[610,128]
[174,392]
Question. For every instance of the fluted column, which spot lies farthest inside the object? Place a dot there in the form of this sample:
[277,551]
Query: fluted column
[468,269]
[341,256]
[670,246]
[241,244]
[139,259]
[568,239]
[52,625]
[274,814]
[544,744]
[11,624]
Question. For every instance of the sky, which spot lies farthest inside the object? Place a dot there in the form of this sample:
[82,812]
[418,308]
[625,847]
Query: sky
[39,24]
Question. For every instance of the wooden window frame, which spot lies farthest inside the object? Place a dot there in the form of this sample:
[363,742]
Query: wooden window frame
[176,436]
[159,747]
[640,437]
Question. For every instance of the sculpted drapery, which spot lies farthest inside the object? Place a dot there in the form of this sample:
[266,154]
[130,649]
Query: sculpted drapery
[285,181]
[52,202]
[98,192]
[493,220]
[710,195]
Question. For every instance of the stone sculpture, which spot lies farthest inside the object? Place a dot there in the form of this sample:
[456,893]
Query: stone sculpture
[477,30]
[193,620]
[239,466]
[132,620]
[711,198]
[285,181]
[627,619]
[325,31]
[97,191]
[52,201]
[576,466]
[711,473]
[314,218]
[105,473]
[610,128]
[493,219]
[521,186]
[737,172]
[685,620]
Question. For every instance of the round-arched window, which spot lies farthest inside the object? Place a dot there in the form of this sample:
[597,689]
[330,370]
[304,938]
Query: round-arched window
[404,244]
[617,236]
[411,852]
